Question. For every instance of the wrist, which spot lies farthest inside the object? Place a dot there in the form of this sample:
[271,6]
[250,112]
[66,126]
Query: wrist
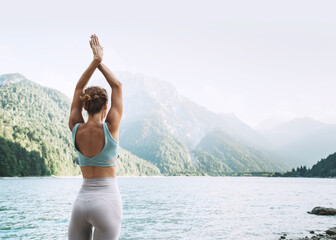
[96,61]
[100,65]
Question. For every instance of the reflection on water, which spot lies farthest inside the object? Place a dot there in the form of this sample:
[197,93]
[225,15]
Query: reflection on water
[175,207]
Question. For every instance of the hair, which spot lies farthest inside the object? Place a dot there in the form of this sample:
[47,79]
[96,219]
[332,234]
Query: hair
[93,99]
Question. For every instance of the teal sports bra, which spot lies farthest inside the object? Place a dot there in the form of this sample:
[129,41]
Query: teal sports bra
[109,152]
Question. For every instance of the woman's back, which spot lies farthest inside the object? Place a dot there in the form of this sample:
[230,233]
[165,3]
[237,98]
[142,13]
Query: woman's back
[90,139]
[90,142]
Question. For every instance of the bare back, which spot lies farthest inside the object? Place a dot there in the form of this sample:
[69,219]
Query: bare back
[90,142]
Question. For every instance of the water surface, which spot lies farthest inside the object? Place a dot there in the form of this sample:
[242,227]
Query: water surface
[175,207]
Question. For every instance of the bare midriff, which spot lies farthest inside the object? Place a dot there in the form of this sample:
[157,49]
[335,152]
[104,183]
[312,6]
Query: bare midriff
[97,172]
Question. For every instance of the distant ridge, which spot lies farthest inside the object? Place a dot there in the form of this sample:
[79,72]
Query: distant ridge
[11,78]
[302,140]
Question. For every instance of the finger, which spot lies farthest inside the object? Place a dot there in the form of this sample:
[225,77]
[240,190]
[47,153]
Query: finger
[90,43]
[98,41]
[95,40]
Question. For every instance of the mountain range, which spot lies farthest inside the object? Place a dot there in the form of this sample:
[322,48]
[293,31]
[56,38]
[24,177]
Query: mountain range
[161,132]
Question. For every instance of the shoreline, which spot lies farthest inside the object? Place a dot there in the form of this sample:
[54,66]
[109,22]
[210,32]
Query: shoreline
[314,235]
[154,176]
[157,176]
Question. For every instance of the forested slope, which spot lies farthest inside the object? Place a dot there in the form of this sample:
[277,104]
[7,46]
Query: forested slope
[34,136]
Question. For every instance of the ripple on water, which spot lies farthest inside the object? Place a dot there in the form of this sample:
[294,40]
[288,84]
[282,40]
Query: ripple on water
[174,207]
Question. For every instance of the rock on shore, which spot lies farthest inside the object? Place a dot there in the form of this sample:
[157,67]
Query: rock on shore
[323,211]
[329,235]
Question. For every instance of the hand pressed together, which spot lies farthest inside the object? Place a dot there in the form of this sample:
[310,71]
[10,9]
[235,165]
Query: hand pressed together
[96,48]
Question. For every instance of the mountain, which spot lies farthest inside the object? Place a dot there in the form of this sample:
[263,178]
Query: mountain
[235,127]
[148,96]
[302,140]
[148,139]
[236,155]
[11,78]
[154,112]
[131,165]
[34,134]
[166,132]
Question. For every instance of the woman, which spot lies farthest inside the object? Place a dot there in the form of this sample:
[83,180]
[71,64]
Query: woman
[96,142]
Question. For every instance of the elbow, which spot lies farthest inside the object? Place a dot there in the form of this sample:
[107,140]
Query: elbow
[117,85]
[79,87]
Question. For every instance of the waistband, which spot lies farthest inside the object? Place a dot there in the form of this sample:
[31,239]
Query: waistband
[99,179]
[100,185]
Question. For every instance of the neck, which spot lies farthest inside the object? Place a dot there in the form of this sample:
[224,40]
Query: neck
[96,118]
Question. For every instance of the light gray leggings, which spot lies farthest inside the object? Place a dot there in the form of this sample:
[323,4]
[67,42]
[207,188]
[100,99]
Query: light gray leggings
[99,205]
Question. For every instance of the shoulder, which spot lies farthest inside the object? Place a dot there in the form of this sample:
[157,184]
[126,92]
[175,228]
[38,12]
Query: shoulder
[73,127]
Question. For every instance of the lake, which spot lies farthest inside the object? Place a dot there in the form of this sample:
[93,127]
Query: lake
[175,207]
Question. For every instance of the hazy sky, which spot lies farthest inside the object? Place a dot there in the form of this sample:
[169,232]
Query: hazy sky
[266,61]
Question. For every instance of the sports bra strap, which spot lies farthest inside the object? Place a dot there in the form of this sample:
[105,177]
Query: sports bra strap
[74,130]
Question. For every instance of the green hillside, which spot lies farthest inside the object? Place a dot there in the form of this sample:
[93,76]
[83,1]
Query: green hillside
[216,154]
[15,160]
[236,156]
[326,167]
[207,164]
[131,165]
[34,136]
[149,140]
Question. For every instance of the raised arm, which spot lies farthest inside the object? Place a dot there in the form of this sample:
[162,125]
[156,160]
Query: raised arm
[76,106]
[113,117]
